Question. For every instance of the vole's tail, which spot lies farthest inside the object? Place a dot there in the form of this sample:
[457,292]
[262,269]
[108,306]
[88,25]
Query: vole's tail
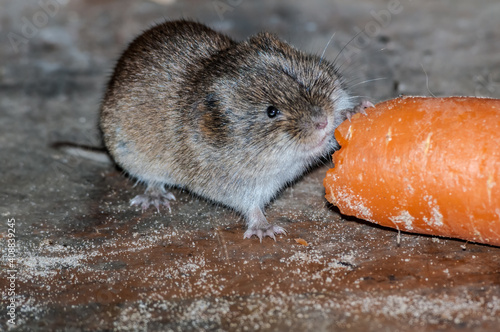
[97,154]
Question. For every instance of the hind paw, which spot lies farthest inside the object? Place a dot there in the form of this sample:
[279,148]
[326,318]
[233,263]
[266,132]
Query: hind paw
[261,233]
[154,198]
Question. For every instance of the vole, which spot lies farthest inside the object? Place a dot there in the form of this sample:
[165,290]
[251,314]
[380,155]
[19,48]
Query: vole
[233,122]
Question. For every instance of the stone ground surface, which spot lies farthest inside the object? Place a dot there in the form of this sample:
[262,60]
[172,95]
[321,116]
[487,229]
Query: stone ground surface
[87,261]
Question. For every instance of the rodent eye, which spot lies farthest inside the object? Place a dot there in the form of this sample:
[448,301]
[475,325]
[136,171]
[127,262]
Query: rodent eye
[272,111]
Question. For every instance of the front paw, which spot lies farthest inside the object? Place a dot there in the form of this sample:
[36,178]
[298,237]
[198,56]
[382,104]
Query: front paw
[360,108]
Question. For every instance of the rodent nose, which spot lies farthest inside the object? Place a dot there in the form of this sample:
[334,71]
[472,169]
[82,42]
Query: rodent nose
[321,123]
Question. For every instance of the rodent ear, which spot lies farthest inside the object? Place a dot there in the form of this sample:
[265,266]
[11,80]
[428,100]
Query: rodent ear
[267,40]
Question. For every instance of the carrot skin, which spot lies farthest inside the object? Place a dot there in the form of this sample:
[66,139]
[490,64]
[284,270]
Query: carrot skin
[422,165]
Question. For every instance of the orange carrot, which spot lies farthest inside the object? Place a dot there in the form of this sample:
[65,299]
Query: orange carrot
[423,165]
[302,242]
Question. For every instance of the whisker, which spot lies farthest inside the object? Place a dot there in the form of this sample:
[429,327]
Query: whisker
[326,47]
[359,96]
[343,48]
[427,81]
[367,81]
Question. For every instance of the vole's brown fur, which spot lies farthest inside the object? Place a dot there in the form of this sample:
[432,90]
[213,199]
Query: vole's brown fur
[231,122]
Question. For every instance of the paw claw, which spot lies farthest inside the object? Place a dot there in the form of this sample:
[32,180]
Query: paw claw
[157,205]
[366,104]
[361,108]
